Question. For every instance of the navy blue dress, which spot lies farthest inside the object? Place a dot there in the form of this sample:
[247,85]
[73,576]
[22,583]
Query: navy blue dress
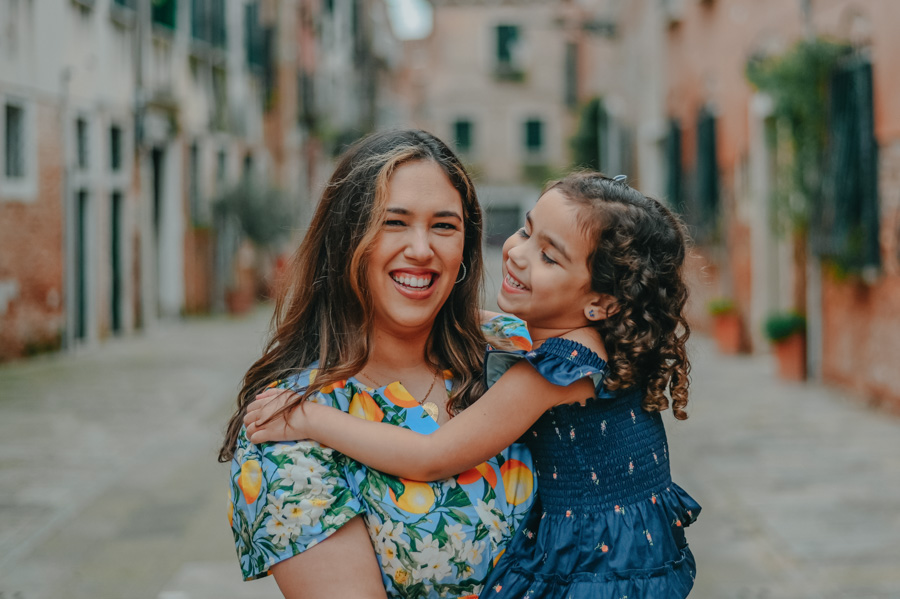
[608,521]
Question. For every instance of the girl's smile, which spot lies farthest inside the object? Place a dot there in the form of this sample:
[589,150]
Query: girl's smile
[546,281]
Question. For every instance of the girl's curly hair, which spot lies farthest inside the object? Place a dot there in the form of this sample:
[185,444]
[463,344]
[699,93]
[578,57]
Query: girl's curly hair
[638,257]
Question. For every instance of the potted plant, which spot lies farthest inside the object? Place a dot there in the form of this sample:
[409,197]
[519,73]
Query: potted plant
[787,332]
[727,326]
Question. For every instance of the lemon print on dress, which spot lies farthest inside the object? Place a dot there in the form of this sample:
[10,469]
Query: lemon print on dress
[397,395]
[363,406]
[475,474]
[417,498]
[250,480]
[517,481]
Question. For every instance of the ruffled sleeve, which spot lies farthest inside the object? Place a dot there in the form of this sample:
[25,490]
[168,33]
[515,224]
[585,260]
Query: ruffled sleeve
[560,361]
[287,497]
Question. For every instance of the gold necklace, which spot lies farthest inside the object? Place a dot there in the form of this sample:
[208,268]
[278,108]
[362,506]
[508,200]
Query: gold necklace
[429,407]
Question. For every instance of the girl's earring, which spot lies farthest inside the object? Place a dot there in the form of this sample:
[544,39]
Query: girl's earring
[464,273]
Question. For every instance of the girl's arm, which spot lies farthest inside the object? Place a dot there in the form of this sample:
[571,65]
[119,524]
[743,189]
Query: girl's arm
[480,432]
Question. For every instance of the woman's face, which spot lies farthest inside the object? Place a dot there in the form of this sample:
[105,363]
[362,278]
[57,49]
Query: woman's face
[416,257]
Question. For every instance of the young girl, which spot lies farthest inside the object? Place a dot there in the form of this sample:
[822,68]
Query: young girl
[597,274]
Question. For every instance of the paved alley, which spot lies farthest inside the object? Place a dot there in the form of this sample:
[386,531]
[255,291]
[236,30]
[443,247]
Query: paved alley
[109,487]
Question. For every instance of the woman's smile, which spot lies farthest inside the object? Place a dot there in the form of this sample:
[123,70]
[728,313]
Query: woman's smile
[414,284]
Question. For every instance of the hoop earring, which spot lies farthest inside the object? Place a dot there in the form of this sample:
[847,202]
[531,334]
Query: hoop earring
[465,272]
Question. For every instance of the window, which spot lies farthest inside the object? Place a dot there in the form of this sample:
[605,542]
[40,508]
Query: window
[220,98]
[218,35]
[248,166]
[673,162]
[208,22]
[115,149]
[253,35]
[846,225]
[507,65]
[81,144]
[507,38]
[163,12]
[18,155]
[221,165]
[306,96]
[199,20]
[14,128]
[571,75]
[534,136]
[707,173]
[462,134]
[194,185]
[117,275]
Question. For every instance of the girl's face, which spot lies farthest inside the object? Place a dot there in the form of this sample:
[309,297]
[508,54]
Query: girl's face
[546,281]
[416,257]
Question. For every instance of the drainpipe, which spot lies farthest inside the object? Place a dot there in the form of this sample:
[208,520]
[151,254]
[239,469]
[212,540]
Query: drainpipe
[814,309]
[68,337]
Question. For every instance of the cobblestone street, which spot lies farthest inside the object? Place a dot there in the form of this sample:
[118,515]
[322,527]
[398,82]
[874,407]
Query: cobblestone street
[109,487]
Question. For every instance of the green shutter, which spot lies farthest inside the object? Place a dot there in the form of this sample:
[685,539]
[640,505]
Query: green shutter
[163,12]
[673,163]
[846,226]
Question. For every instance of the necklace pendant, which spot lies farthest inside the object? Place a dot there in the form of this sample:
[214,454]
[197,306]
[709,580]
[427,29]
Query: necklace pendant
[431,409]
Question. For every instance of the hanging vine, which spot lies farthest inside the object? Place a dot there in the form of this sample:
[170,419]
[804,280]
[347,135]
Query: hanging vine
[797,81]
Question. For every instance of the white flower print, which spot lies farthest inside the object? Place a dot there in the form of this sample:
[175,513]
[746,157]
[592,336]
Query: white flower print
[473,552]
[498,529]
[455,535]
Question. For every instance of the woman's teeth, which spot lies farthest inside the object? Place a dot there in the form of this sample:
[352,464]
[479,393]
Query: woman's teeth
[413,281]
[513,283]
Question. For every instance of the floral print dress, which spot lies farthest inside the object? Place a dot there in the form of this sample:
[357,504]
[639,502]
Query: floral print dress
[436,539]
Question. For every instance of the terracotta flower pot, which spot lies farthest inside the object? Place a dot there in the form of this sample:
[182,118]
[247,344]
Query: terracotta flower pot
[728,332]
[791,356]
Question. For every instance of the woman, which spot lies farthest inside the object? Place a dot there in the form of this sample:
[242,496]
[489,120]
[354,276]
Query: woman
[380,319]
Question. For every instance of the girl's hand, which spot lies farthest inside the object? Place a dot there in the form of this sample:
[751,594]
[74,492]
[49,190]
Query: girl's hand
[263,425]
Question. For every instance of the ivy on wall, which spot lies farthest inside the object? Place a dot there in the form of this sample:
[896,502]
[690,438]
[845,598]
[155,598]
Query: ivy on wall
[798,83]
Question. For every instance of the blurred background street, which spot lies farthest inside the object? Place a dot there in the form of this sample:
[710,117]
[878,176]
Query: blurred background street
[160,159]
[111,488]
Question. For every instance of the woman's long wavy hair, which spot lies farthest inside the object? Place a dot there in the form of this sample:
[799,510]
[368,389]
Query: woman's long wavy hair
[324,311]
[638,258]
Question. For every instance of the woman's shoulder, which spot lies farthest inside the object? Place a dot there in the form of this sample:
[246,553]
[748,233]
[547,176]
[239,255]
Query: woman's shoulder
[334,393]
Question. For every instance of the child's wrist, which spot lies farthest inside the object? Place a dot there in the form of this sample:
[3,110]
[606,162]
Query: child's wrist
[309,409]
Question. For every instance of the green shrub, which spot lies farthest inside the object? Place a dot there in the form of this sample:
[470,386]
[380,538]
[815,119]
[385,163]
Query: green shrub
[721,306]
[781,325]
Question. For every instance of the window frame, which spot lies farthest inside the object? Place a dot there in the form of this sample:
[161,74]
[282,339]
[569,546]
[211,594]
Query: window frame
[22,188]
[540,149]
[469,148]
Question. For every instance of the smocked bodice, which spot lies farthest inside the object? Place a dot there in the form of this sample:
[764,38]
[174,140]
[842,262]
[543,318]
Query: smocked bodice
[609,452]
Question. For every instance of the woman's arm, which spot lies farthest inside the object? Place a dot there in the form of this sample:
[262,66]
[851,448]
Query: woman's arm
[482,431]
[343,565]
